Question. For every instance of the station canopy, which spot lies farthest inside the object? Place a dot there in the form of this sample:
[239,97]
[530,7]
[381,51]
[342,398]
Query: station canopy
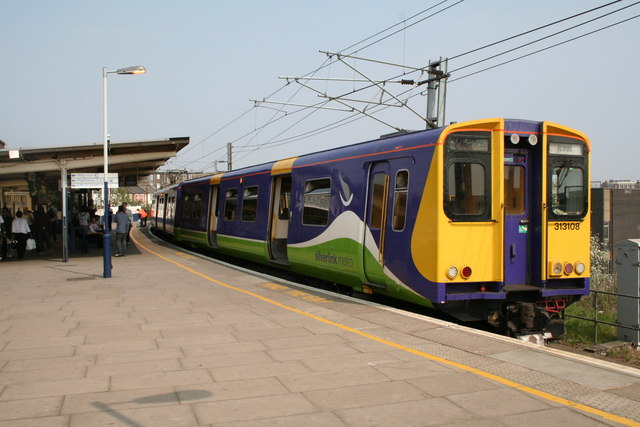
[128,159]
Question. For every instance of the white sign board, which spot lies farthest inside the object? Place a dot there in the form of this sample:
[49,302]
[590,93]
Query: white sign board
[93,180]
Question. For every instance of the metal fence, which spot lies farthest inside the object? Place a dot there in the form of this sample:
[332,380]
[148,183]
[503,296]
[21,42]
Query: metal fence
[595,319]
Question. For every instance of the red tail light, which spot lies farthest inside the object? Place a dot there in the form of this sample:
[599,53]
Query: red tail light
[568,268]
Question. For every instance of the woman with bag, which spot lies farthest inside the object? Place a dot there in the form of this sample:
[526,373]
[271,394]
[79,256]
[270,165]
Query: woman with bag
[20,231]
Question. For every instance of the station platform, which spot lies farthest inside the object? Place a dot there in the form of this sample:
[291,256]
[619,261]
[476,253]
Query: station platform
[174,339]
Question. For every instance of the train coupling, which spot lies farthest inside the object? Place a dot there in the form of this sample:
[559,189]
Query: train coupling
[529,321]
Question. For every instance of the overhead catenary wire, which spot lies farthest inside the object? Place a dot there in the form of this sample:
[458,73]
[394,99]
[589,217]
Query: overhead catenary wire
[531,31]
[275,141]
[546,48]
[510,38]
[543,38]
[328,63]
[347,121]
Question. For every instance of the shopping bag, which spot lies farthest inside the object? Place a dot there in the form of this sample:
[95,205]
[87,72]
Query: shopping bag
[31,244]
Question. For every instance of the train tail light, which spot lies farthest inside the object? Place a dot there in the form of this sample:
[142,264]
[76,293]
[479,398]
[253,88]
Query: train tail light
[466,272]
[568,268]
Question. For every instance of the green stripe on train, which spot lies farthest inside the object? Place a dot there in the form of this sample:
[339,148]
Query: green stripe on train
[340,261]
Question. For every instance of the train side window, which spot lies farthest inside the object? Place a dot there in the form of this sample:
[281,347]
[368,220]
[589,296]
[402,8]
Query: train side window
[187,206]
[249,203]
[514,189]
[467,180]
[377,200]
[285,198]
[317,198]
[197,205]
[230,204]
[400,200]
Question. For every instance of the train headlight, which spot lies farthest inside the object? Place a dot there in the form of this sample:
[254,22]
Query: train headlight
[580,268]
[555,268]
[466,272]
[515,138]
[568,268]
[533,140]
[452,272]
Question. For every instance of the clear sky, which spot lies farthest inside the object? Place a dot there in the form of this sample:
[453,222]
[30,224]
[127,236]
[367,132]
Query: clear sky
[206,59]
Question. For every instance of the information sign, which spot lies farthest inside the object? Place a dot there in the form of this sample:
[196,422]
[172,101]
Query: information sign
[93,180]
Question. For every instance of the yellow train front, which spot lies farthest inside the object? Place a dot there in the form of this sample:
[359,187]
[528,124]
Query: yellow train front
[486,220]
[505,223]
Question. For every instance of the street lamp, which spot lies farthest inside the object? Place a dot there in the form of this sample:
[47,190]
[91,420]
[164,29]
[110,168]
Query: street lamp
[106,239]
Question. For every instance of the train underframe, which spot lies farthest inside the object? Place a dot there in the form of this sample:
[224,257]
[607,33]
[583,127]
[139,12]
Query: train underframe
[519,315]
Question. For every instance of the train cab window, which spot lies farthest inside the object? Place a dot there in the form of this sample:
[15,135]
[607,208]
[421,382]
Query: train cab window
[230,204]
[317,198]
[567,187]
[249,203]
[567,191]
[467,180]
[466,189]
[400,200]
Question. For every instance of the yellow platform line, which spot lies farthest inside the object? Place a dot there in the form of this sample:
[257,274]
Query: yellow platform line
[544,395]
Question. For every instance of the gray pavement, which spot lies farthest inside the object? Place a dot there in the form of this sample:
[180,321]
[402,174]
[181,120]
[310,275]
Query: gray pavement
[174,340]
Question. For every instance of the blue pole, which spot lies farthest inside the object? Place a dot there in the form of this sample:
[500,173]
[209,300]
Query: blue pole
[106,237]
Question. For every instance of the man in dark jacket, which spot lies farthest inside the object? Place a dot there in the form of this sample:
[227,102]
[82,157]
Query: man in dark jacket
[41,225]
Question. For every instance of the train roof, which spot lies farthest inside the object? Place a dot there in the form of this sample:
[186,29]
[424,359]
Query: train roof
[165,189]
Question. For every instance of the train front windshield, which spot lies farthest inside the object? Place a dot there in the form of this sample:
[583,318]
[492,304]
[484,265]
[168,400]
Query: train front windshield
[567,168]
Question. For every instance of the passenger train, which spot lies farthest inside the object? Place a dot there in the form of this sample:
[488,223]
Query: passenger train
[485,220]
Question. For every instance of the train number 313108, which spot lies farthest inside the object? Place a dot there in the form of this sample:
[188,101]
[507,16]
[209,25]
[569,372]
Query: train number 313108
[566,226]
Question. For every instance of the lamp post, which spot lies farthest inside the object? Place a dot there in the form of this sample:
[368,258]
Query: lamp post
[106,239]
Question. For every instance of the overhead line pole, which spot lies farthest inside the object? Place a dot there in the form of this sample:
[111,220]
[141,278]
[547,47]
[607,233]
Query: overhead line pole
[436,92]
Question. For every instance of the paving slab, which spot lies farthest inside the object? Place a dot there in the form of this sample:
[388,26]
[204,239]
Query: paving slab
[30,408]
[253,408]
[559,367]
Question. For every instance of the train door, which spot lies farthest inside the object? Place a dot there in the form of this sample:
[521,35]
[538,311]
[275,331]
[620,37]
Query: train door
[384,241]
[213,216]
[377,200]
[280,213]
[170,215]
[160,211]
[517,233]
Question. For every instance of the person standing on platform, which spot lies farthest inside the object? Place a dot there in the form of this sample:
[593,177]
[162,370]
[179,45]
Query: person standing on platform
[130,215]
[4,240]
[8,219]
[123,224]
[41,225]
[83,228]
[143,217]
[28,215]
[21,232]
[52,213]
